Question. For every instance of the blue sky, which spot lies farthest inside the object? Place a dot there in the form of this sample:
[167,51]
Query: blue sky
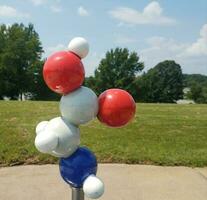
[156,30]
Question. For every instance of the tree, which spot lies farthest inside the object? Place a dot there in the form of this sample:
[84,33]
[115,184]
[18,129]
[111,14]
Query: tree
[39,89]
[198,87]
[20,48]
[163,83]
[198,93]
[117,70]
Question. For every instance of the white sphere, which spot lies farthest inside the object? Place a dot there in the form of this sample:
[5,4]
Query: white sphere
[41,126]
[80,106]
[58,137]
[93,187]
[79,46]
[68,136]
[46,142]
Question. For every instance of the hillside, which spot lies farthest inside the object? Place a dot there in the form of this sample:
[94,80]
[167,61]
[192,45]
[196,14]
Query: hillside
[190,79]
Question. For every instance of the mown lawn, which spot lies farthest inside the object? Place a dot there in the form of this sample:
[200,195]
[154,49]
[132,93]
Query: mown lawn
[161,134]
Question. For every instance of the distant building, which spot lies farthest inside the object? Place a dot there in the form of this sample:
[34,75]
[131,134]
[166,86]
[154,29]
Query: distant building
[185,101]
[25,96]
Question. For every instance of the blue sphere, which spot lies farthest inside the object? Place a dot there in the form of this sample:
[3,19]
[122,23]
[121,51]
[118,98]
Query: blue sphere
[77,167]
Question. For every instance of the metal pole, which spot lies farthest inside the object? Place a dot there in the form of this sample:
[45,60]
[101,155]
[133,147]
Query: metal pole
[77,193]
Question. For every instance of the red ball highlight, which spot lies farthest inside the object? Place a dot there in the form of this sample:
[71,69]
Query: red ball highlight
[63,72]
[116,107]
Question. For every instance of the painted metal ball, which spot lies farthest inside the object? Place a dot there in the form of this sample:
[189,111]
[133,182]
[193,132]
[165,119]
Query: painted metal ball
[80,106]
[63,72]
[116,107]
[77,167]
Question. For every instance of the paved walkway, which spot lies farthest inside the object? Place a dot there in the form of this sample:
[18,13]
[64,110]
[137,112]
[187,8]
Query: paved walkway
[122,182]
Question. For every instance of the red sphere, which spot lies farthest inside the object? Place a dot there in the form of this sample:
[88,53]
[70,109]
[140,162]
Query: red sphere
[63,72]
[116,107]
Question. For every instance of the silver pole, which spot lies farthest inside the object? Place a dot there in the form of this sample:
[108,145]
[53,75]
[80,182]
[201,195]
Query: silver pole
[77,193]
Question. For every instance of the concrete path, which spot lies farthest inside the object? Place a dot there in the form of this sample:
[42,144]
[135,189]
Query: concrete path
[122,182]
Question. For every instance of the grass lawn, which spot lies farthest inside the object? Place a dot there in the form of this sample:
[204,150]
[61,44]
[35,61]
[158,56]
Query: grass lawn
[161,134]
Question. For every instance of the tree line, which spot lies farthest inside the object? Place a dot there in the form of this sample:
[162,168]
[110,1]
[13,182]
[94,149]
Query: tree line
[21,63]
[21,72]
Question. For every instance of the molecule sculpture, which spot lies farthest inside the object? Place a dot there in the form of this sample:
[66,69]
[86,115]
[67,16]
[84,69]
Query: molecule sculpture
[64,73]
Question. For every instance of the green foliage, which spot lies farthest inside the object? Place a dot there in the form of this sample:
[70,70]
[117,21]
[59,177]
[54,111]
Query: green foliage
[198,93]
[198,87]
[20,48]
[162,134]
[163,83]
[117,70]
[191,79]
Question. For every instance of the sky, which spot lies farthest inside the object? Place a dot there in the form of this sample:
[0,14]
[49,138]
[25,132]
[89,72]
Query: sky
[156,30]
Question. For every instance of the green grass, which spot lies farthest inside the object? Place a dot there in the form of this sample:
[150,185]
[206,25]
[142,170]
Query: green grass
[161,134]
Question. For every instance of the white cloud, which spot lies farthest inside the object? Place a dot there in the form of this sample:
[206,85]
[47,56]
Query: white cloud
[54,5]
[56,8]
[38,2]
[121,24]
[165,43]
[52,49]
[191,56]
[82,12]
[200,46]
[8,11]
[152,14]
[160,49]
[120,39]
